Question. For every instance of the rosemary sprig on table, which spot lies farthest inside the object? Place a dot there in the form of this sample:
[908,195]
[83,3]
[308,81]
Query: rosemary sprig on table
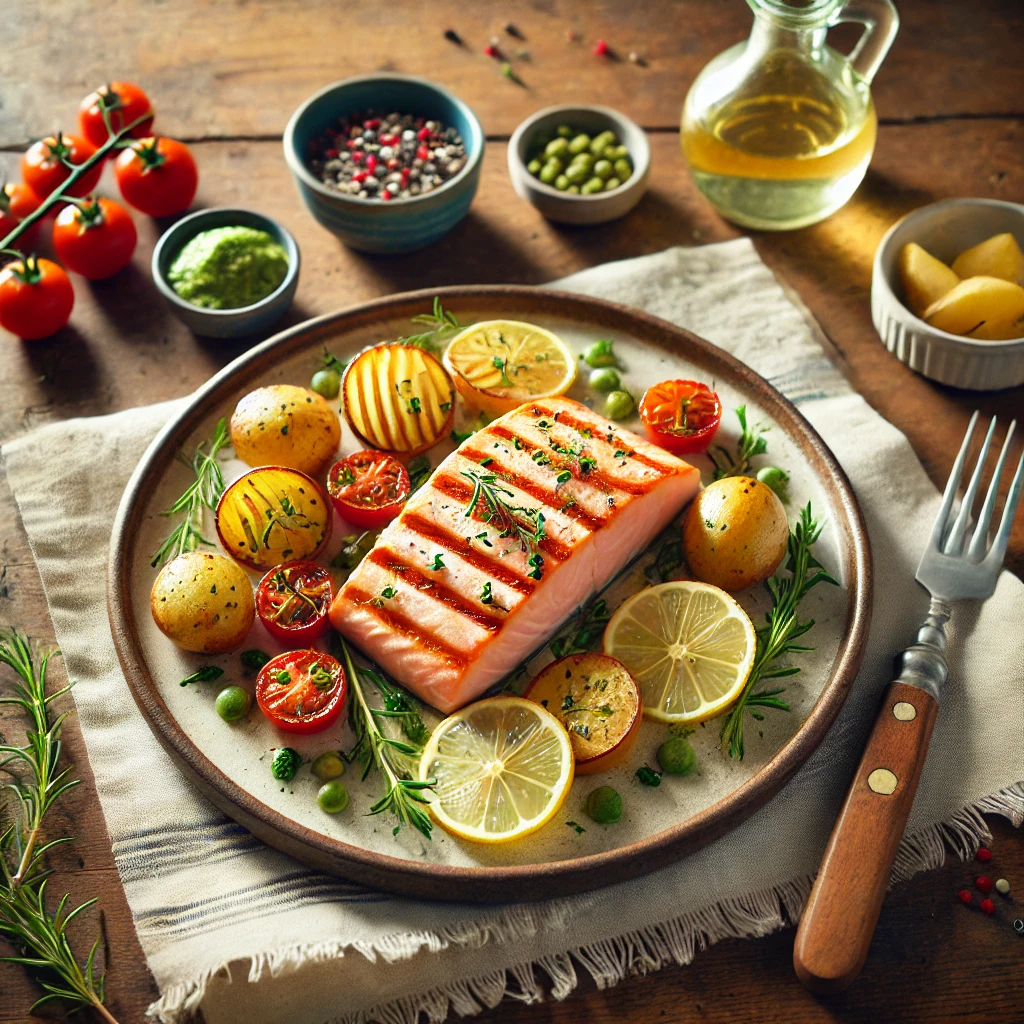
[203,492]
[403,794]
[782,628]
[439,324]
[491,501]
[752,443]
[39,937]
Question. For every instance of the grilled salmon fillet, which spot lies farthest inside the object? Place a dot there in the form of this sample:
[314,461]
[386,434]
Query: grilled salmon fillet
[508,537]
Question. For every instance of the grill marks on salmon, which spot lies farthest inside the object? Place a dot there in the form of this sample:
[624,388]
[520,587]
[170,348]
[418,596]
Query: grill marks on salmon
[448,606]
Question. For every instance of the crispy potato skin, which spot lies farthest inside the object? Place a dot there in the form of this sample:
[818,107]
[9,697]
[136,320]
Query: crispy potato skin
[285,425]
[735,533]
[203,602]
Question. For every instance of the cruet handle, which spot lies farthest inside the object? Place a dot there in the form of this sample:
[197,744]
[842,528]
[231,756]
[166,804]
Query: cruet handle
[880,22]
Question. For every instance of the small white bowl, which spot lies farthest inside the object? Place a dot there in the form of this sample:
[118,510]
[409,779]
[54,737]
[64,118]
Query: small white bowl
[945,230]
[563,206]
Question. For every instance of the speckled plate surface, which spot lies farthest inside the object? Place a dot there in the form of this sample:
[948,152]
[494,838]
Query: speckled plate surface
[230,763]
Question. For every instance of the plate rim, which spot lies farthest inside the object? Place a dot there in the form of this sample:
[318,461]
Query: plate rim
[496,883]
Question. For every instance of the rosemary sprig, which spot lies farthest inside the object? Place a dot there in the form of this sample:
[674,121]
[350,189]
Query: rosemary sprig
[782,628]
[39,937]
[440,326]
[403,794]
[752,443]
[203,492]
[491,501]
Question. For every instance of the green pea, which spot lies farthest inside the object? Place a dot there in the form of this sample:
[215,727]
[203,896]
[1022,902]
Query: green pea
[583,160]
[603,170]
[563,131]
[623,168]
[561,183]
[580,143]
[591,186]
[605,380]
[619,405]
[551,170]
[775,478]
[534,166]
[573,190]
[601,353]
[604,805]
[329,765]
[556,147]
[599,144]
[285,764]
[617,153]
[326,383]
[676,756]
[611,183]
[232,703]
[576,174]
[332,797]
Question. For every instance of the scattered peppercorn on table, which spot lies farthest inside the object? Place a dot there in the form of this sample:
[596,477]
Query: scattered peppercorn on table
[949,125]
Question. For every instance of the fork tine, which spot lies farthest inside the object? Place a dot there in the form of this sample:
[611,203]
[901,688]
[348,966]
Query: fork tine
[1002,539]
[955,541]
[939,527]
[979,542]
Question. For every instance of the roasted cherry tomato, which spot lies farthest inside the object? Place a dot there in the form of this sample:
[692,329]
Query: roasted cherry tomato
[157,176]
[292,602]
[17,201]
[368,488]
[43,169]
[95,240]
[35,298]
[123,102]
[301,691]
[681,415]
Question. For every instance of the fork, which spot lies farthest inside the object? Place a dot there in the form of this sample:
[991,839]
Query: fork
[842,911]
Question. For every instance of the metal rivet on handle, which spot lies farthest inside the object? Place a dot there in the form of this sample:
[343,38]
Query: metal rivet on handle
[904,711]
[881,780]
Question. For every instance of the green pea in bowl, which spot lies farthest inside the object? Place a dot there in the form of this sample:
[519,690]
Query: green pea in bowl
[548,167]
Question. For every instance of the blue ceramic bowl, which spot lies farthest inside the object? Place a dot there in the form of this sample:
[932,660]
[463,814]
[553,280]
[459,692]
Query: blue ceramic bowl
[225,323]
[404,224]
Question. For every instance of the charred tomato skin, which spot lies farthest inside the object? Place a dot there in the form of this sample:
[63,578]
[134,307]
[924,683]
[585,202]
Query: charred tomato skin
[378,488]
[299,574]
[681,416]
[291,700]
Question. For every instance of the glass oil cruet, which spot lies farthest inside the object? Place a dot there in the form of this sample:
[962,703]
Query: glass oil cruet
[779,130]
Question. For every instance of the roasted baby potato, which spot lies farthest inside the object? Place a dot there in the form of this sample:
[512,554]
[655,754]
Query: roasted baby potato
[735,533]
[998,256]
[924,278]
[203,602]
[285,425]
[988,308]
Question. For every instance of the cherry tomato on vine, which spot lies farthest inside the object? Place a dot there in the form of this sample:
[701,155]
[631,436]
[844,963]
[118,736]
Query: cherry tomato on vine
[157,176]
[35,298]
[368,488]
[292,602]
[17,201]
[123,102]
[681,415]
[301,691]
[43,169]
[95,240]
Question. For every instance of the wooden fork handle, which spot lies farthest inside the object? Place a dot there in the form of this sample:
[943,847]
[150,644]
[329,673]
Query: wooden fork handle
[839,919]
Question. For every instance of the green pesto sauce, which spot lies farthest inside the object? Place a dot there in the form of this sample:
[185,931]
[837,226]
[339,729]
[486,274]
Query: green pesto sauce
[227,268]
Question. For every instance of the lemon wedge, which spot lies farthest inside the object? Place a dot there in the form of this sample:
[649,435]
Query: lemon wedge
[689,645]
[503,767]
[498,365]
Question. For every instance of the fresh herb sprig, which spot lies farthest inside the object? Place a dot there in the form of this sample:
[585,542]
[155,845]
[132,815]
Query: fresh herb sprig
[783,626]
[491,501]
[404,795]
[439,324]
[584,632]
[752,443]
[332,362]
[203,492]
[35,777]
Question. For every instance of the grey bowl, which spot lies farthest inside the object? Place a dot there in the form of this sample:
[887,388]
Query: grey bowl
[225,323]
[573,209]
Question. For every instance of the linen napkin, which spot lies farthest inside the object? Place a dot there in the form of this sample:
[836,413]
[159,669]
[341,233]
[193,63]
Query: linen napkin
[247,933]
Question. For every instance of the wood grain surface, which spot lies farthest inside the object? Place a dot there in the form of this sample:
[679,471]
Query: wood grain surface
[225,76]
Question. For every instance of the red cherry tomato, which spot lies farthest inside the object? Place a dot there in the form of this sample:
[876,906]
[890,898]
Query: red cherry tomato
[17,201]
[35,298]
[123,102]
[301,691]
[96,240]
[292,602]
[42,167]
[157,176]
[368,488]
[681,415]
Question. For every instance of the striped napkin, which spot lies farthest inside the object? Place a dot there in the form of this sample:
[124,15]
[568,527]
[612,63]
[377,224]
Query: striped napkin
[249,934]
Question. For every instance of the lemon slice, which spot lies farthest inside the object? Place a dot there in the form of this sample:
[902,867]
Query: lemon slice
[503,767]
[498,365]
[689,645]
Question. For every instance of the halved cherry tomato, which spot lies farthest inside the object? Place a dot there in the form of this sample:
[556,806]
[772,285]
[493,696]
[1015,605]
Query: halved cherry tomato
[157,176]
[292,602]
[36,298]
[17,201]
[43,168]
[123,102]
[95,240]
[301,691]
[368,488]
[681,415]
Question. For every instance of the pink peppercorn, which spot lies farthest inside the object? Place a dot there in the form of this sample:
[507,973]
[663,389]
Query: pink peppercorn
[331,154]
[372,124]
[983,883]
[965,896]
[371,162]
[601,48]
[360,175]
[385,195]
[988,906]
[359,157]
[983,854]
[393,163]
[423,153]
[423,134]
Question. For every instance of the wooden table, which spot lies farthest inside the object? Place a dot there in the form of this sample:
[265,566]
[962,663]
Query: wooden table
[225,77]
